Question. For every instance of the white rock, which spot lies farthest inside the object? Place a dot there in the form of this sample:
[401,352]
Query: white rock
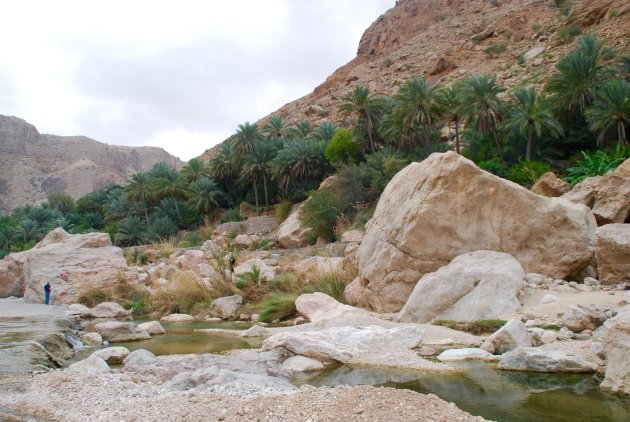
[190,259]
[548,298]
[533,53]
[177,318]
[91,365]
[617,347]
[115,331]
[112,354]
[91,339]
[206,271]
[320,307]
[464,354]
[590,281]
[302,364]
[572,357]
[613,252]
[267,272]
[79,309]
[512,335]
[536,279]
[152,327]
[315,265]
[292,233]
[578,318]
[355,235]
[109,310]
[226,307]
[139,358]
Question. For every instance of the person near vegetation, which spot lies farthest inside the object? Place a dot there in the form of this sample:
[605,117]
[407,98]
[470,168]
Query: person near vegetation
[64,276]
[232,262]
[47,293]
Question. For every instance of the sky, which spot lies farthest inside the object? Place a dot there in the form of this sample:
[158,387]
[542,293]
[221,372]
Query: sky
[180,75]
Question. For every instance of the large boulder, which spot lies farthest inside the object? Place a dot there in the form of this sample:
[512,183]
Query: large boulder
[445,206]
[512,335]
[91,365]
[108,310]
[572,357]
[292,233]
[267,271]
[617,347]
[607,195]
[578,318]
[177,318]
[226,307]
[88,259]
[551,185]
[612,253]
[320,307]
[116,332]
[112,354]
[190,259]
[152,327]
[12,275]
[474,286]
[313,266]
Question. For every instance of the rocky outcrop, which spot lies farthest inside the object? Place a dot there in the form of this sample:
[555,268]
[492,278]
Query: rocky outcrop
[617,347]
[292,233]
[320,307]
[551,185]
[474,286]
[314,266]
[434,211]
[608,196]
[591,12]
[571,357]
[35,166]
[12,275]
[512,335]
[612,253]
[89,260]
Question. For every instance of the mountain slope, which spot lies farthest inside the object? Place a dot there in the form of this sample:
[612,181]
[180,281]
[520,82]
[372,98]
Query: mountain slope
[36,165]
[442,40]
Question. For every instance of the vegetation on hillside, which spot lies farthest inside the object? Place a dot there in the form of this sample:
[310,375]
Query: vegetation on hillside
[573,122]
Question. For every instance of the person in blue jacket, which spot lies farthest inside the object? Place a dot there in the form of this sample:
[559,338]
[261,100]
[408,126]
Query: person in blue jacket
[47,293]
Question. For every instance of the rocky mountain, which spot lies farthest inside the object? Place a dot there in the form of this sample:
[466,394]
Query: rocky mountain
[35,165]
[444,40]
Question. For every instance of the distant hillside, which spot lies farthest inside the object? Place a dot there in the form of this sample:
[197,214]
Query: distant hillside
[444,40]
[36,165]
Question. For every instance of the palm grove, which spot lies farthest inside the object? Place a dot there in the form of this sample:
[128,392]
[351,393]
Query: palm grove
[576,124]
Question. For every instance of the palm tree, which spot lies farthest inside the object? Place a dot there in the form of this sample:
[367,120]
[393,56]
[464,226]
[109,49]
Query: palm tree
[298,162]
[415,108]
[116,205]
[172,185]
[274,128]
[452,101]
[325,131]
[29,230]
[130,231]
[245,138]
[224,165]
[531,113]
[367,110]
[481,105]
[300,130]
[258,164]
[8,235]
[205,195]
[579,76]
[611,109]
[140,190]
[194,170]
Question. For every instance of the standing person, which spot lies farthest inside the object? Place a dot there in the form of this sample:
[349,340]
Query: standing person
[47,293]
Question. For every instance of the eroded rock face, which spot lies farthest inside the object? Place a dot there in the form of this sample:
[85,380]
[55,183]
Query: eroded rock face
[612,253]
[11,275]
[551,185]
[434,211]
[474,286]
[617,346]
[608,196]
[88,259]
[292,233]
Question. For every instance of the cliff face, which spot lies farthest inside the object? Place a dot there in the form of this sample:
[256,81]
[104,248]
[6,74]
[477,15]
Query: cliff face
[35,165]
[433,39]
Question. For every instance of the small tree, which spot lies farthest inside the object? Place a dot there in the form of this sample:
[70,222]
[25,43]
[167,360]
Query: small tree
[341,149]
[320,214]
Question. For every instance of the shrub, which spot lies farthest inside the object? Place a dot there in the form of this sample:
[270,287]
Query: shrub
[494,49]
[333,284]
[484,326]
[91,296]
[568,32]
[231,215]
[253,277]
[278,307]
[341,148]
[554,327]
[526,173]
[283,209]
[596,163]
[320,214]
[166,247]
[494,166]
[564,6]
[186,294]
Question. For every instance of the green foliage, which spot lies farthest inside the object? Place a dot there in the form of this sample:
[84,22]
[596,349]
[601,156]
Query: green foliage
[283,209]
[568,32]
[553,327]
[526,173]
[494,49]
[61,202]
[484,326]
[130,231]
[367,110]
[320,214]
[332,284]
[495,166]
[564,6]
[231,215]
[253,277]
[341,148]
[611,111]
[278,307]
[596,163]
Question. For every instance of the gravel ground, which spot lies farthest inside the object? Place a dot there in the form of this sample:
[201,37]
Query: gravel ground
[64,396]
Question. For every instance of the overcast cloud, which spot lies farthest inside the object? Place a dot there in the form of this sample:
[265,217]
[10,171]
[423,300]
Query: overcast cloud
[179,75]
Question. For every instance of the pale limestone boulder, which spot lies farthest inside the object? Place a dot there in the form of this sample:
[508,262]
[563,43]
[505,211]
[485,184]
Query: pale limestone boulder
[578,318]
[445,206]
[551,185]
[608,196]
[267,272]
[372,345]
[612,253]
[139,357]
[12,275]
[79,309]
[548,298]
[245,240]
[474,286]
[190,259]
[469,353]
[321,307]
[512,335]
[152,327]
[117,332]
[302,364]
[91,365]
[206,271]
[177,318]
[226,307]
[617,347]
[91,339]
[623,169]
[310,268]
[88,259]
[112,355]
[109,310]
[569,357]
[292,233]
[355,235]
